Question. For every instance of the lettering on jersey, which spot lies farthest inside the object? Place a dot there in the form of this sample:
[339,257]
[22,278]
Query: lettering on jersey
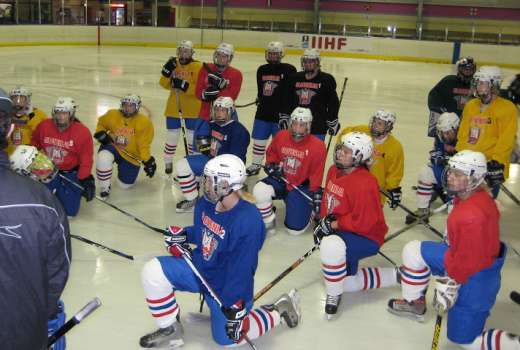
[333,188]
[217,139]
[332,191]
[272,77]
[480,120]
[183,74]
[209,244]
[305,96]
[268,88]
[307,85]
[213,226]
[57,142]
[123,135]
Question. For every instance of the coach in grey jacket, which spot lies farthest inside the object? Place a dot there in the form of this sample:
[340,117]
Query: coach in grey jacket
[34,252]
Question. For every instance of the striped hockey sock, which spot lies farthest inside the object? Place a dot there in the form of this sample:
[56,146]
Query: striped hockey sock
[188,186]
[370,278]
[163,308]
[266,211]
[104,177]
[169,152]
[259,147]
[495,339]
[424,194]
[334,275]
[261,320]
[414,281]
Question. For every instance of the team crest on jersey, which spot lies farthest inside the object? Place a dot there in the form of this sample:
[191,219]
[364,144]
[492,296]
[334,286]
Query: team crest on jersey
[305,96]
[56,154]
[291,165]
[331,201]
[213,226]
[269,87]
[209,244]
[16,137]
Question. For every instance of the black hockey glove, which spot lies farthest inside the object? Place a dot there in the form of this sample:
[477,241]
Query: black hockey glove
[333,127]
[180,84]
[89,187]
[439,158]
[324,228]
[169,67]
[103,138]
[210,94]
[283,121]
[175,234]
[495,173]
[237,322]
[274,170]
[150,167]
[216,80]
[395,197]
[203,144]
[316,202]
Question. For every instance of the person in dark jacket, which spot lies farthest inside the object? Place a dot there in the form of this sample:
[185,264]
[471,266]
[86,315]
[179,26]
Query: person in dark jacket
[35,253]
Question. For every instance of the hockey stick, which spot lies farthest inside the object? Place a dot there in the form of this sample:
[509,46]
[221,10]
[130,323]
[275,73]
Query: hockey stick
[255,102]
[178,99]
[437,333]
[128,154]
[430,227]
[188,261]
[339,106]
[110,250]
[510,194]
[387,258]
[77,318]
[113,206]
[298,189]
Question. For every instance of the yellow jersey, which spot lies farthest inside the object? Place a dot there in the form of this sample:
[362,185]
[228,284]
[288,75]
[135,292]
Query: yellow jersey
[23,129]
[190,104]
[491,132]
[132,136]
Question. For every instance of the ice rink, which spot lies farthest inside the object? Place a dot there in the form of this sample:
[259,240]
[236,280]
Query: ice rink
[97,77]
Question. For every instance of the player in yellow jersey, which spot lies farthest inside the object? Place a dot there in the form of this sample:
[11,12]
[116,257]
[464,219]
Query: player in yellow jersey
[179,75]
[26,118]
[388,157]
[125,136]
[488,125]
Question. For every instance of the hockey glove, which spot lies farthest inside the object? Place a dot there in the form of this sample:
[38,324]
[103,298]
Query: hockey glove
[438,158]
[103,138]
[180,84]
[203,144]
[237,322]
[175,234]
[89,187]
[446,293]
[169,67]
[283,121]
[495,173]
[324,228]
[210,94]
[150,167]
[395,197]
[333,127]
[274,170]
[216,80]
[316,202]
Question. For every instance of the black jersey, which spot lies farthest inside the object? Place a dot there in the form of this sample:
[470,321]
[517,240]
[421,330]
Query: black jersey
[449,95]
[271,80]
[318,94]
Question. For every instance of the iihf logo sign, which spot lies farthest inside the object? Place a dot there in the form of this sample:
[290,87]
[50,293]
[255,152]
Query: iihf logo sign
[324,42]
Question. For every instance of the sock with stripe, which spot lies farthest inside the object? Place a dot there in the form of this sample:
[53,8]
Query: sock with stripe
[262,320]
[333,264]
[259,147]
[425,183]
[104,161]
[189,139]
[415,274]
[370,278]
[170,146]
[494,339]
[187,180]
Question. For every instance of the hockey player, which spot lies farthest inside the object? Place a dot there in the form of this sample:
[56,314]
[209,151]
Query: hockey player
[228,233]
[311,88]
[35,249]
[352,225]
[429,178]
[271,80]
[26,118]
[68,143]
[512,93]
[179,76]
[299,157]
[218,79]
[468,267]
[388,158]
[489,125]
[125,136]
[451,93]
[224,135]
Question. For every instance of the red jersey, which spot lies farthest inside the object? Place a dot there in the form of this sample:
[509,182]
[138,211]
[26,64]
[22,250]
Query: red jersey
[301,161]
[473,234]
[72,148]
[232,89]
[354,200]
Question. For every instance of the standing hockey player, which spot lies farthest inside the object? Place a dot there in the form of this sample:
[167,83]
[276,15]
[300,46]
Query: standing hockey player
[125,136]
[316,90]
[218,79]
[429,178]
[489,125]
[179,76]
[224,135]
[388,158]
[35,250]
[26,118]
[68,143]
[468,267]
[299,157]
[227,229]
[352,225]
[451,93]
[271,80]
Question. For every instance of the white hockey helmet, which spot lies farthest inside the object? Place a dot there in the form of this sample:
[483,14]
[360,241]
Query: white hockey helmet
[310,60]
[28,161]
[387,117]
[471,164]
[447,122]
[64,105]
[222,175]
[223,55]
[185,51]
[492,75]
[130,105]
[21,98]
[222,110]
[274,52]
[300,123]
[361,146]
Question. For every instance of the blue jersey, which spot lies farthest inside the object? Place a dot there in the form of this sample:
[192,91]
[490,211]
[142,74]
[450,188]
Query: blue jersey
[232,138]
[227,248]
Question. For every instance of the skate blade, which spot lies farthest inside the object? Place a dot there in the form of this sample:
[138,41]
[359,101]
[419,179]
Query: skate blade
[295,300]
[409,315]
[330,317]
